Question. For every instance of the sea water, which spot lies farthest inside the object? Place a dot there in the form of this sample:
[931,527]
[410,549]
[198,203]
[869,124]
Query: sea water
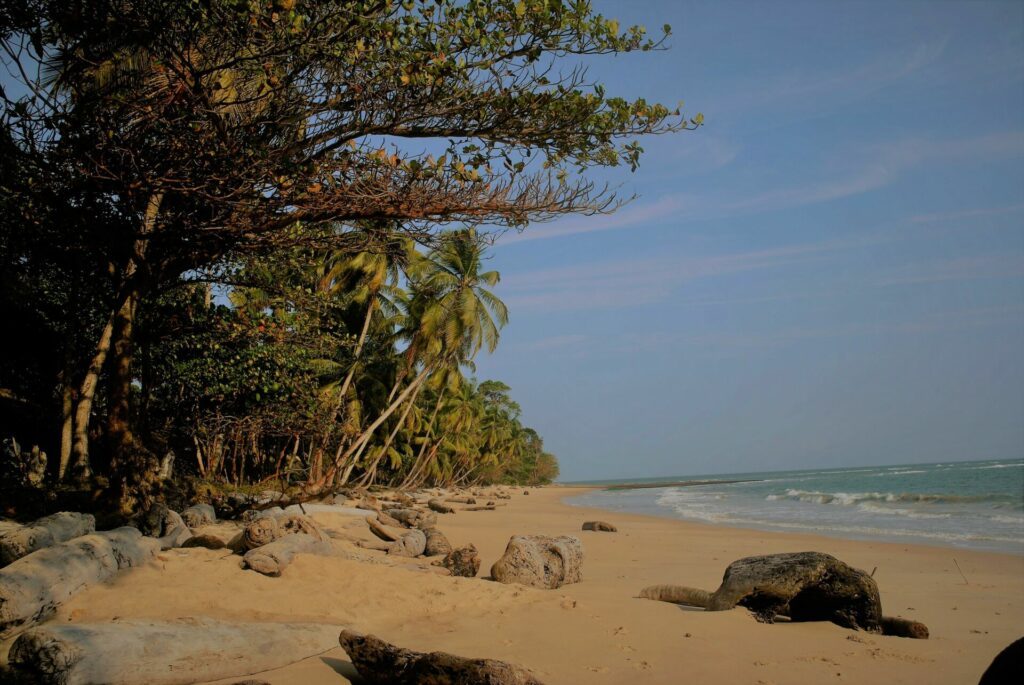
[976,504]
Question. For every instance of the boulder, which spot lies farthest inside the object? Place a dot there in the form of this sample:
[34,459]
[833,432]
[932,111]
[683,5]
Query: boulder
[540,561]
[199,515]
[600,526]
[806,586]
[437,543]
[464,561]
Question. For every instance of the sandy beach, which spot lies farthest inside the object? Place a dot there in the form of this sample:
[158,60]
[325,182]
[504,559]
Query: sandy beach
[595,631]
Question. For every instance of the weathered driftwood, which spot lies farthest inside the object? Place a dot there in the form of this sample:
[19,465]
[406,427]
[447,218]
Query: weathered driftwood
[904,627]
[380,531]
[381,663]
[412,544]
[165,524]
[265,530]
[464,561]
[386,520]
[45,532]
[484,507]
[461,500]
[437,543]
[440,507]
[407,517]
[207,541]
[132,651]
[199,515]
[271,559]
[540,561]
[677,594]
[33,587]
[600,526]
[808,586]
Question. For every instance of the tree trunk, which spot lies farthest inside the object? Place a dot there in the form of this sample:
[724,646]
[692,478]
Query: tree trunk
[372,471]
[67,427]
[34,586]
[136,650]
[86,394]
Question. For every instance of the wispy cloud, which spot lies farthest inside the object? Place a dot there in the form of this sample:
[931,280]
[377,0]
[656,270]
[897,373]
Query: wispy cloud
[641,281]
[957,269]
[955,215]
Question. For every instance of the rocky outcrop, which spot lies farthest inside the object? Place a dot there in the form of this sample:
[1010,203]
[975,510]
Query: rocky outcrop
[464,561]
[806,586]
[540,561]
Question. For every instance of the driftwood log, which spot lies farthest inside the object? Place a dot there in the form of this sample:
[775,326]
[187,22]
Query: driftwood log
[33,587]
[381,663]
[464,561]
[540,561]
[380,531]
[483,507]
[805,586]
[461,500]
[600,526]
[50,530]
[440,507]
[437,543]
[133,651]
[677,594]
[386,520]
[206,541]
[271,559]
[199,515]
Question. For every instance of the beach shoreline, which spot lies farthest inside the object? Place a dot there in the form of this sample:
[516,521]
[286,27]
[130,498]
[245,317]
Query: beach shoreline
[597,631]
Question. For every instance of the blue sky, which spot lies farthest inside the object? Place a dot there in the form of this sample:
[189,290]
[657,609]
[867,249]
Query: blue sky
[830,272]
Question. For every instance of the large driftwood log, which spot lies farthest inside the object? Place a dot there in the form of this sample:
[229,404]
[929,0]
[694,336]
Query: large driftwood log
[380,663]
[199,515]
[540,561]
[809,586]
[440,507]
[462,500]
[437,543]
[904,627]
[271,559]
[677,594]
[133,651]
[33,587]
[45,532]
[380,531]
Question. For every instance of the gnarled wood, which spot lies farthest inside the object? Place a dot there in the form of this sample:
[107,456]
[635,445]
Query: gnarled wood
[45,532]
[440,507]
[133,651]
[677,594]
[904,627]
[33,587]
[271,559]
[380,531]
[267,529]
[540,561]
[381,663]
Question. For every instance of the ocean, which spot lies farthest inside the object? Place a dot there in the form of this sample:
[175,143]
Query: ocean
[977,504]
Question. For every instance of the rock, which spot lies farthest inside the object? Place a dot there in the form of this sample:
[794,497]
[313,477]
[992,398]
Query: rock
[380,663]
[1006,667]
[904,627]
[412,544]
[45,532]
[199,515]
[540,561]
[806,586]
[206,541]
[437,543]
[526,492]
[600,526]
[464,561]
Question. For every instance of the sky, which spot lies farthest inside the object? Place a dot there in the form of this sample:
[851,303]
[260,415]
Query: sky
[830,272]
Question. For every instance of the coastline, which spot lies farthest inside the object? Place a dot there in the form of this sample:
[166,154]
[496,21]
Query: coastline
[597,631]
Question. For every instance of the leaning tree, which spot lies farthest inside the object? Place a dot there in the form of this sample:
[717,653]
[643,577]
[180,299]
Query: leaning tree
[218,129]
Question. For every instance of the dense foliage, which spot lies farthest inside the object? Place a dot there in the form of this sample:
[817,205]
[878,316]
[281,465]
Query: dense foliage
[251,231]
